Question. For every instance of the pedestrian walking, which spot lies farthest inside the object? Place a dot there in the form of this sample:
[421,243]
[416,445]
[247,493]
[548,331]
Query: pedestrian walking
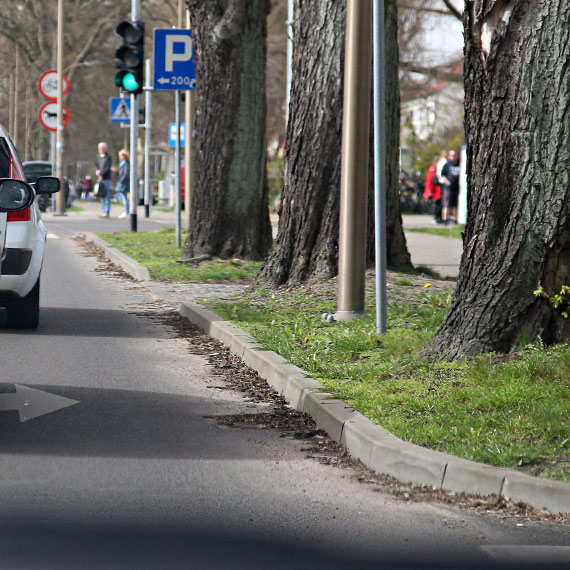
[103,164]
[450,188]
[432,189]
[123,182]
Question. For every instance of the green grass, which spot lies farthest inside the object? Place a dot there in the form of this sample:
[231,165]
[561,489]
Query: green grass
[75,209]
[505,411]
[158,252]
[446,231]
[510,412]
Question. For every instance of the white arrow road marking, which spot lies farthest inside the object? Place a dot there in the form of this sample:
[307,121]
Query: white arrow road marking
[51,236]
[528,556]
[32,403]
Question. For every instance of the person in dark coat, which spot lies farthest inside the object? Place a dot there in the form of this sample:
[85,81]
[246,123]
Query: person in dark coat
[124,181]
[103,164]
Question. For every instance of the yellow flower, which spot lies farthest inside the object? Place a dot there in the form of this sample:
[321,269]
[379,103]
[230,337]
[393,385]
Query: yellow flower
[427,285]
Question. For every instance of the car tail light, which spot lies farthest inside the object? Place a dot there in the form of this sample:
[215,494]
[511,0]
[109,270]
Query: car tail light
[21,216]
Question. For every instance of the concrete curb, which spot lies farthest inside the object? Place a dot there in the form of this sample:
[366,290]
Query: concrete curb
[128,264]
[373,445]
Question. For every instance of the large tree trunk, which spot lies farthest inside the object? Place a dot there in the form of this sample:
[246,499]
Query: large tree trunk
[230,214]
[307,241]
[518,161]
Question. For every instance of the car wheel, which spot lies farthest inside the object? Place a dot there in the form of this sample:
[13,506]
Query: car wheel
[24,313]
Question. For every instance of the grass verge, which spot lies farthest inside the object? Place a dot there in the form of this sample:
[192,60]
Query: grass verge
[158,252]
[446,231]
[505,411]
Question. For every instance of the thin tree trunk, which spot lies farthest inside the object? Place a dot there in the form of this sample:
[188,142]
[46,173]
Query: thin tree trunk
[518,161]
[230,213]
[307,242]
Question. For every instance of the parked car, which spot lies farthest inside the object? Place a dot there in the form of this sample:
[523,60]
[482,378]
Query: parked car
[24,246]
[33,169]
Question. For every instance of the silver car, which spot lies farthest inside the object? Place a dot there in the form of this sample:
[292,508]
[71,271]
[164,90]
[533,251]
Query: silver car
[23,253]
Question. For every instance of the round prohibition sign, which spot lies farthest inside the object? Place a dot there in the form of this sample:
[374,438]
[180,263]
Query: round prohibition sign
[47,84]
[48,115]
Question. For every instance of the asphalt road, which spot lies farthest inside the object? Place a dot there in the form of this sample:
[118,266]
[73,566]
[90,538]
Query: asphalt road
[136,474]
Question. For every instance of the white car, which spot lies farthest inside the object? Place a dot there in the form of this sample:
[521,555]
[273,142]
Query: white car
[23,253]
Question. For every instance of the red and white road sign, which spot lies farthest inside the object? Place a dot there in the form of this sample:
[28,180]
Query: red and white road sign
[48,115]
[47,84]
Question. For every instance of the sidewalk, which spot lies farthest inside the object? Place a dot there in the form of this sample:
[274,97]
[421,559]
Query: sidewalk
[374,446]
[442,254]
[439,253]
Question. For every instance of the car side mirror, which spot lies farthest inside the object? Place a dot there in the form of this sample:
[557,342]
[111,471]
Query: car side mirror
[15,195]
[47,185]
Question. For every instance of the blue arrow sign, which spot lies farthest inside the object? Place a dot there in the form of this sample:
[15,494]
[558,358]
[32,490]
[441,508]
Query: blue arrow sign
[120,110]
[174,60]
[172,134]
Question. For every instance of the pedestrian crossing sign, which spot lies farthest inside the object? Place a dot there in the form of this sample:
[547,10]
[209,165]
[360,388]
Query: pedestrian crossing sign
[120,110]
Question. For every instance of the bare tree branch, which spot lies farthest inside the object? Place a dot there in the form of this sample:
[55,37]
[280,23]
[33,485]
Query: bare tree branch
[453,9]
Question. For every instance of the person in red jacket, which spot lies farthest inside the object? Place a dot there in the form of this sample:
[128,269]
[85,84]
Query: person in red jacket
[433,189]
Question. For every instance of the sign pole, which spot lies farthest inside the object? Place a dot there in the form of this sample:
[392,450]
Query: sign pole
[134,163]
[60,200]
[53,168]
[174,71]
[147,135]
[177,171]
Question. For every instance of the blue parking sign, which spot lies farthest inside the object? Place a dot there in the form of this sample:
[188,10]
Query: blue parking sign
[174,59]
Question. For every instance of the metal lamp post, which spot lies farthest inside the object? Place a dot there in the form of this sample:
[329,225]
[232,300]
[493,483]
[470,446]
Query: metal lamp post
[354,169]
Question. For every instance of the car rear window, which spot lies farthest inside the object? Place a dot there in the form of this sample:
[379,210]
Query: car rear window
[5,171]
[37,169]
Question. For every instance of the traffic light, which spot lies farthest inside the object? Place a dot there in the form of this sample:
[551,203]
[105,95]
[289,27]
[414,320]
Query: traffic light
[129,58]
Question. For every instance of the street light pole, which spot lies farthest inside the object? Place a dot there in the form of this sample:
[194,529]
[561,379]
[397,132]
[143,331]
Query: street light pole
[354,165]
[380,164]
[15,133]
[290,18]
[60,200]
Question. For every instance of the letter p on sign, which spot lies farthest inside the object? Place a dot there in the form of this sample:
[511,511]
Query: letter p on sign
[182,52]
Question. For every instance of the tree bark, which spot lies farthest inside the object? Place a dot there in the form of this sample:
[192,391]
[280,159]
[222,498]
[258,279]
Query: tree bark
[306,247]
[230,213]
[518,162]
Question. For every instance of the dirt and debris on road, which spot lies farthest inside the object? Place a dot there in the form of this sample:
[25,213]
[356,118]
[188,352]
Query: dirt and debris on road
[280,417]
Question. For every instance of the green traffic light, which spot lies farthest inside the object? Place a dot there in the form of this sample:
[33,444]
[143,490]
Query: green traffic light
[130,82]
[119,78]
